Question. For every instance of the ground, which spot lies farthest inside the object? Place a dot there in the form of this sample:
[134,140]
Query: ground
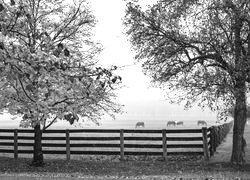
[101,167]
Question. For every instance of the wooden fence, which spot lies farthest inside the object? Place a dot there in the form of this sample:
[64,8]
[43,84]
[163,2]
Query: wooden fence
[217,135]
[109,142]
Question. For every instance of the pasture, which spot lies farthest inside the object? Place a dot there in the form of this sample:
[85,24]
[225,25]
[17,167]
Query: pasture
[136,167]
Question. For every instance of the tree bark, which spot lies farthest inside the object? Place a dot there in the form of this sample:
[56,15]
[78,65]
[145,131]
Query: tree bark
[240,110]
[37,151]
[240,117]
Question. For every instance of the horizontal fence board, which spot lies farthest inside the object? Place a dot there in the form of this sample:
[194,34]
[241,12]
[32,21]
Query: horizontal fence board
[6,150]
[106,130]
[54,151]
[107,145]
[94,130]
[26,137]
[95,138]
[83,131]
[25,144]
[25,131]
[143,138]
[25,151]
[160,153]
[184,139]
[7,137]
[6,130]
[95,145]
[55,131]
[186,153]
[43,144]
[160,131]
[143,146]
[96,152]
[183,131]
[142,131]
[56,138]
[107,138]
[150,153]
[6,143]
[184,146]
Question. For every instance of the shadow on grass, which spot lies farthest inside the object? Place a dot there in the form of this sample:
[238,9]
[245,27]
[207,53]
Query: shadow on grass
[128,168]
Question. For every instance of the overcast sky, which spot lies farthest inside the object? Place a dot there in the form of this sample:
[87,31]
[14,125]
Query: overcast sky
[142,102]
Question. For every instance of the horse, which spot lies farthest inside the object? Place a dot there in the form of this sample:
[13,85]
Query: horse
[201,122]
[171,123]
[179,123]
[140,124]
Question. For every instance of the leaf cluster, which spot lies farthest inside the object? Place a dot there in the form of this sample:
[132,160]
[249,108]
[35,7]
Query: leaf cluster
[48,67]
[189,47]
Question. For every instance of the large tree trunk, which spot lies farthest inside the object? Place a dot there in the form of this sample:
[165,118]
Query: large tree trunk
[240,110]
[240,116]
[37,151]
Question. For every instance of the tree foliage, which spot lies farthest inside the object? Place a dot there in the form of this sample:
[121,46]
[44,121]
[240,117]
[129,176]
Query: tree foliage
[48,69]
[189,46]
[199,49]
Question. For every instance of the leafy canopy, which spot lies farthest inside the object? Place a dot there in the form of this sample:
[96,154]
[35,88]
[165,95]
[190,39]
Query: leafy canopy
[189,47]
[48,69]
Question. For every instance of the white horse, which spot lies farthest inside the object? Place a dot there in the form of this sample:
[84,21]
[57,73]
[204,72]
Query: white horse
[171,123]
[201,123]
[140,124]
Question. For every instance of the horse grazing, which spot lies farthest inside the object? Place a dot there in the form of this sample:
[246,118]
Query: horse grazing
[180,123]
[201,122]
[140,124]
[171,123]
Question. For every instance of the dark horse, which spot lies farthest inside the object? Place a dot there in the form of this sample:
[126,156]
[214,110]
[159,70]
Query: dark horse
[180,123]
[202,123]
[171,123]
[140,124]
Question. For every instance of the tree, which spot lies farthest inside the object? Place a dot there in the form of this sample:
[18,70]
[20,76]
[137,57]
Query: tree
[48,69]
[230,111]
[199,49]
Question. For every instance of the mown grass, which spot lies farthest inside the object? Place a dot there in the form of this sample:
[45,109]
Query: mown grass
[112,168]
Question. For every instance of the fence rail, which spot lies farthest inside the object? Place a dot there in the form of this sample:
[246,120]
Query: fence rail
[111,142]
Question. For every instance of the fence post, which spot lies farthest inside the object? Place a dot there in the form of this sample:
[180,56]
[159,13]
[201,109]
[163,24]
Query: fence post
[164,143]
[205,143]
[212,141]
[15,144]
[122,144]
[67,145]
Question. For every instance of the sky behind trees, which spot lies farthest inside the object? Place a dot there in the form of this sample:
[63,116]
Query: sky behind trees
[141,101]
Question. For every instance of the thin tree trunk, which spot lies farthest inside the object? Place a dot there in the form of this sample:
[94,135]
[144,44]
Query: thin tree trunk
[240,116]
[37,151]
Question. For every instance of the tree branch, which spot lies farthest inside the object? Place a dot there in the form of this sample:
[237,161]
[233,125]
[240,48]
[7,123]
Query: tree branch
[51,122]
[25,91]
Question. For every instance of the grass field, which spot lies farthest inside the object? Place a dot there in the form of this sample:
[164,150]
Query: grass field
[110,167]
